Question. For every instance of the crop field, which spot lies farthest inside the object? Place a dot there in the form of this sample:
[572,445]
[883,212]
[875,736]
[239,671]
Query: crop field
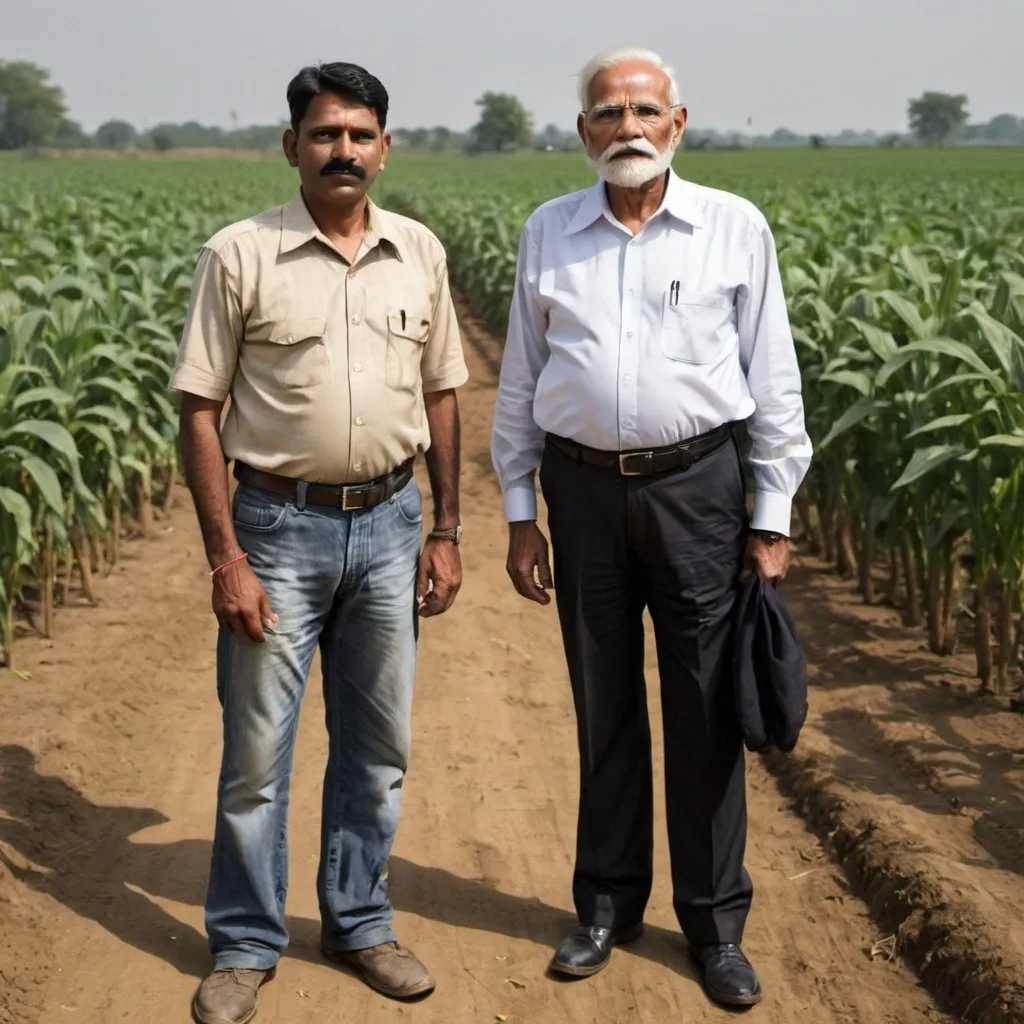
[905,278]
[904,275]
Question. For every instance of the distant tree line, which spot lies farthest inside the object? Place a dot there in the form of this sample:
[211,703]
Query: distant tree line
[33,113]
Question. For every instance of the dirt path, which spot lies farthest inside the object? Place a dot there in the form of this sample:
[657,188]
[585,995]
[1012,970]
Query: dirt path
[108,761]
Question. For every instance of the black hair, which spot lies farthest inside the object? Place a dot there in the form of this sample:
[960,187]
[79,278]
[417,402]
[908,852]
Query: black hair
[347,81]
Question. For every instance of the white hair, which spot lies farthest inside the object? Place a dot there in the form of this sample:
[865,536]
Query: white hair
[620,55]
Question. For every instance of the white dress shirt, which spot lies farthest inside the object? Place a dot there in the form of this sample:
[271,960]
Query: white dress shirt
[605,349]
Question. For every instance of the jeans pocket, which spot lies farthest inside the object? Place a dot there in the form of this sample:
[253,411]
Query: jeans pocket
[409,502]
[256,514]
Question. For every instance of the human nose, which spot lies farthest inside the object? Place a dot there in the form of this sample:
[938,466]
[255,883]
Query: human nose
[343,147]
[630,126]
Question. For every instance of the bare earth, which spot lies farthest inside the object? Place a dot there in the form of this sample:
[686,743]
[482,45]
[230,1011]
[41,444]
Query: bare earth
[108,765]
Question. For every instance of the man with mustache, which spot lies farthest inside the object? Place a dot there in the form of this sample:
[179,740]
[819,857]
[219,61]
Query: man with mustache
[648,318]
[330,324]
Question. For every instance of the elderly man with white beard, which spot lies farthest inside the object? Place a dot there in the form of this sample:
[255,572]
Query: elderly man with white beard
[648,320]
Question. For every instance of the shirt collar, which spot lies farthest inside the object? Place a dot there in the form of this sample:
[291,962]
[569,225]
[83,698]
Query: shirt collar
[298,226]
[679,201]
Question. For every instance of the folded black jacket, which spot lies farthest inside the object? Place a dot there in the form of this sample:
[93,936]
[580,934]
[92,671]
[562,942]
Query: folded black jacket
[769,669]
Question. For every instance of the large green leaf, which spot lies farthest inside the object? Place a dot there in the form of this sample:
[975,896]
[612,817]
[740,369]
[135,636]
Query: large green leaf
[120,356]
[943,423]
[53,434]
[949,293]
[43,245]
[53,395]
[927,460]
[949,525]
[124,389]
[880,342]
[20,511]
[997,336]
[157,442]
[857,413]
[32,285]
[958,382]
[167,410]
[849,378]
[117,417]
[933,347]
[917,271]
[46,480]
[69,284]
[1002,441]
[103,434]
[24,327]
[906,311]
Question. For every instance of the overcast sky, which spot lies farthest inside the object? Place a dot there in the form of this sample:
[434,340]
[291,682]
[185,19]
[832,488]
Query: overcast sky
[807,65]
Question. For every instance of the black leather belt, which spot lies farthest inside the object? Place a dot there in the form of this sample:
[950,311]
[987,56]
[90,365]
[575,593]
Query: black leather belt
[646,462]
[347,497]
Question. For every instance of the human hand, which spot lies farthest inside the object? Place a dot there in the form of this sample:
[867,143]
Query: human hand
[240,602]
[440,576]
[528,566]
[769,558]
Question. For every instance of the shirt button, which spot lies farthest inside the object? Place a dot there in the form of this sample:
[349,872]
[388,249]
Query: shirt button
[629,334]
[359,421]
[355,320]
[632,291]
[357,367]
[627,378]
[357,466]
[352,273]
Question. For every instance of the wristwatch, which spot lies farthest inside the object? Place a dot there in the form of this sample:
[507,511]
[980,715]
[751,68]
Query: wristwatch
[454,534]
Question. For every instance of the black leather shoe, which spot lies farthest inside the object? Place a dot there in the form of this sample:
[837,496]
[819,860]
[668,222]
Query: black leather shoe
[728,976]
[588,948]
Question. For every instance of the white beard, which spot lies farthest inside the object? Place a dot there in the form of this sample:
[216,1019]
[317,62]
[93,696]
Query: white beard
[631,171]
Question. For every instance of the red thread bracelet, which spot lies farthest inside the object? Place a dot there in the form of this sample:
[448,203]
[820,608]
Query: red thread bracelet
[233,561]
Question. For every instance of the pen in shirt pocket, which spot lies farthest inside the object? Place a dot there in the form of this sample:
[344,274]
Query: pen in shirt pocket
[673,293]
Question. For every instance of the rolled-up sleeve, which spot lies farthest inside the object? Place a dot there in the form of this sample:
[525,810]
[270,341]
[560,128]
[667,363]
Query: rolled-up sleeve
[443,365]
[781,450]
[517,443]
[212,333]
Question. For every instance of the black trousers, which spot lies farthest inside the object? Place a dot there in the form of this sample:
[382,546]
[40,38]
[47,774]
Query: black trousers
[672,543]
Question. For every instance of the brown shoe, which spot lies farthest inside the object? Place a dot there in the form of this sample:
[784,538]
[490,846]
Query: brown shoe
[228,996]
[389,968]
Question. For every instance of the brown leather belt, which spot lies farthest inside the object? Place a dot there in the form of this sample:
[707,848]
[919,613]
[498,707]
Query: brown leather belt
[646,462]
[347,497]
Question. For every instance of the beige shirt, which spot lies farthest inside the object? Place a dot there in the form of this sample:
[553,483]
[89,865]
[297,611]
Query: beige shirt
[326,363]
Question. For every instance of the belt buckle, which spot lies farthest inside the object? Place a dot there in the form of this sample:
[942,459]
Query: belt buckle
[344,503]
[623,456]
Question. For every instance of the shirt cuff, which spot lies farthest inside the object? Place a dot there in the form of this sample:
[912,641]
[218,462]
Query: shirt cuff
[772,512]
[197,381]
[454,377]
[520,501]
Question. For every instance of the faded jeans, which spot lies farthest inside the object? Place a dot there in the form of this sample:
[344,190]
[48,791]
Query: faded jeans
[345,581]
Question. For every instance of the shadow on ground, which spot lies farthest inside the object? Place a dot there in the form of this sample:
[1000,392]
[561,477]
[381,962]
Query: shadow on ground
[56,841]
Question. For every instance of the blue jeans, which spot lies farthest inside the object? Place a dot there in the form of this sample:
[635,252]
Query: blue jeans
[345,581]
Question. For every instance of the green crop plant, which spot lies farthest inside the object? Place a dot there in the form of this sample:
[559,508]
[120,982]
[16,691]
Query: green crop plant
[905,295]
[903,270]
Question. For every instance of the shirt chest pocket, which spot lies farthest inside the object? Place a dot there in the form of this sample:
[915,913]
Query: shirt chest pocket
[291,352]
[408,331]
[698,327]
